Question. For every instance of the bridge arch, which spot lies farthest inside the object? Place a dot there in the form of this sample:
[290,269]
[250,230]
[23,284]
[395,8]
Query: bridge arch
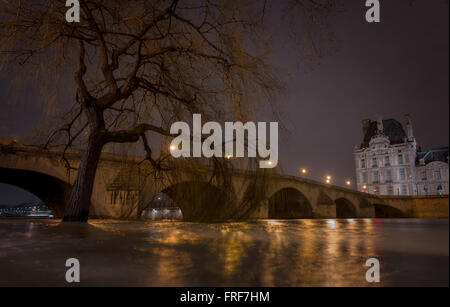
[201,201]
[345,208]
[52,191]
[386,211]
[289,203]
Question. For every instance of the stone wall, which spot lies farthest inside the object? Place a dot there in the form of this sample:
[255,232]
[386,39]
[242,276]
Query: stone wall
[430,207]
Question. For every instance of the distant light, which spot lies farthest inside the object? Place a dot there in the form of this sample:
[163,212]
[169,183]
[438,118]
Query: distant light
[304,171]
[348,182]
[228,157]
[331,223]
[328,177]
[328,181]
[270,162]
[172,147]
[364,187]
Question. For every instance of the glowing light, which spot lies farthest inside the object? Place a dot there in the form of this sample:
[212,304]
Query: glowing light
[331,223]
[172,147]
[304,171]
[270,162]
[273,222]
[364,187]
[348,182]
[228,157]
[328,181]
[328,177]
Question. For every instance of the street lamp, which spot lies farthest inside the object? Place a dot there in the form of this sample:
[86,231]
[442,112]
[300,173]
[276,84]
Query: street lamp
[304,171]
[348,183]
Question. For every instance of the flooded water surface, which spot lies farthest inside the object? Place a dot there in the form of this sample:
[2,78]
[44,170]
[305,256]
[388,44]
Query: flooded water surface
[260,253]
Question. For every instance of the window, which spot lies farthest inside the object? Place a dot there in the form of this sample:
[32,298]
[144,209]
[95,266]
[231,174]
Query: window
[375,177]
[437,173]
[423,174]
[390,190]
[402,174]
[363,163]
[364,177]
[388,176]
[400,159]
[374,162]
[404,190]
[387,161]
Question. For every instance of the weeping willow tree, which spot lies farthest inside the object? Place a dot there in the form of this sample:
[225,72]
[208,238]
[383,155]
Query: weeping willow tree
[137,66]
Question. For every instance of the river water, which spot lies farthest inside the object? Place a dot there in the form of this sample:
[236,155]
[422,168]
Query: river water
[260,253]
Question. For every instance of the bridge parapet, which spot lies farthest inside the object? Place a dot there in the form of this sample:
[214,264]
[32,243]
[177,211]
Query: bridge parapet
[123,185]
[427,207]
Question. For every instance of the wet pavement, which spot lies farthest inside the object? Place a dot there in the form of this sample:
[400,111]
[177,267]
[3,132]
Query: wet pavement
[260,253]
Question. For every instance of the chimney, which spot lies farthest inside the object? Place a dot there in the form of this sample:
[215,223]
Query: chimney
[380,128]
[409,128]
[365,126]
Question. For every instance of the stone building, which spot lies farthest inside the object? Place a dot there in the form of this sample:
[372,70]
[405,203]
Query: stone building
[388,161]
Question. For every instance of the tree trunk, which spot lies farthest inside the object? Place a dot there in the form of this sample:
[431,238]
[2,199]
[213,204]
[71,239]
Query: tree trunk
[77,209]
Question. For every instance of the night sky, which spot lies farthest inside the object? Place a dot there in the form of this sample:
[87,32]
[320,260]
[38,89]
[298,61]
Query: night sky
[398,66]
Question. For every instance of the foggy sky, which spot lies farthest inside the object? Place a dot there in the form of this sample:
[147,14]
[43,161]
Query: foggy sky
[398,66]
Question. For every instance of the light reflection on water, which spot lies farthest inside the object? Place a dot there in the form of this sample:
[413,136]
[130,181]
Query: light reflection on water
[261,253]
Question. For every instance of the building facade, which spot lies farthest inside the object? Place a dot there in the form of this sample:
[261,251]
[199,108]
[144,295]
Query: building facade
[388,161]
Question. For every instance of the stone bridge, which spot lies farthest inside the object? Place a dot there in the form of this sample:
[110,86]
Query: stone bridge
[124,187]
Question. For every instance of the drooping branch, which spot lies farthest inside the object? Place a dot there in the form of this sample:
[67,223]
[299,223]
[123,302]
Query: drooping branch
[133,135]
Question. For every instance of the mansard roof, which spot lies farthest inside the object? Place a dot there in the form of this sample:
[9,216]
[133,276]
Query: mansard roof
[392,129]
[434,154]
